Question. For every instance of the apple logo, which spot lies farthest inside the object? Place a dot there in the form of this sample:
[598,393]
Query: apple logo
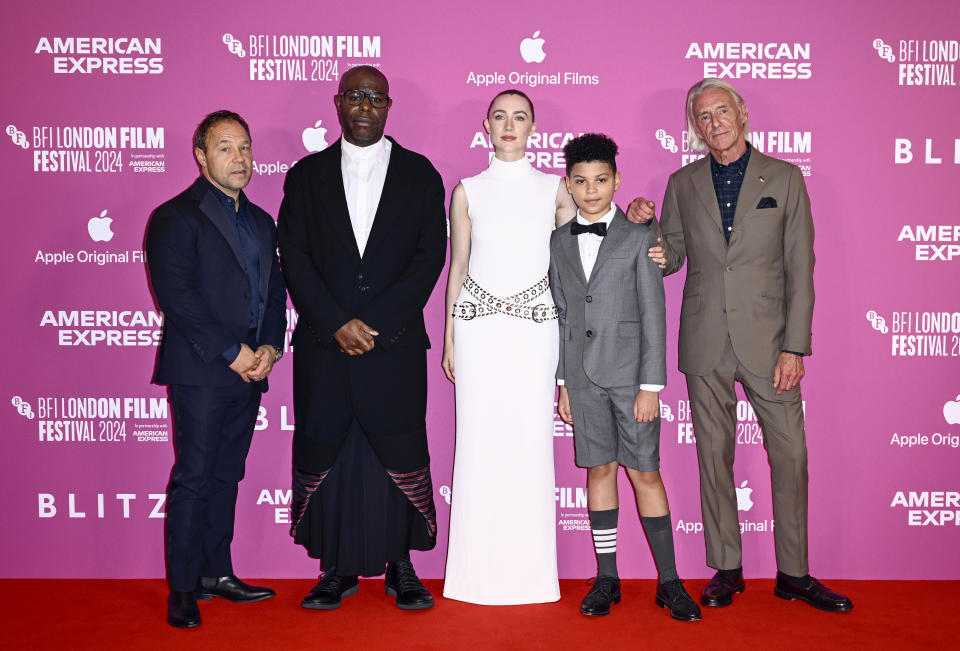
[314,137]
[744,503]
[951,411]
[531,49]
[99,228]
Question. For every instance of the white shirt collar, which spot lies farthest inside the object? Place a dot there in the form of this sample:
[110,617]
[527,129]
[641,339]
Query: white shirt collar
[606,219]
[379,151]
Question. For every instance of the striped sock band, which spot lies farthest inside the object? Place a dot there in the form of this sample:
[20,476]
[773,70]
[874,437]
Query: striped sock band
[604,527]
[605,541]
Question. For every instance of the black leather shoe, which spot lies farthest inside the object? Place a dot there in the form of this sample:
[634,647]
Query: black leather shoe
[724,584]
[816,594]
[328,594]
[674,596]
[230,588]
[182,610]
[402,582]
[605,591]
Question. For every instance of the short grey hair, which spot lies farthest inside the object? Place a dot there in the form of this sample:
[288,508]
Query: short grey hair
[695,142]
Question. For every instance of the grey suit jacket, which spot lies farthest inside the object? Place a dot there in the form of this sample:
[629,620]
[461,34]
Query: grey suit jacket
[612,328]
[758,289]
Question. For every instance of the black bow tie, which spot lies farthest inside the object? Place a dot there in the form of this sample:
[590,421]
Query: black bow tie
[599,228]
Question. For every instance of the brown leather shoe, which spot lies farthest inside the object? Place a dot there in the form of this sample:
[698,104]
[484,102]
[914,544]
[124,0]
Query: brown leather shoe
[816,594]
[724,584]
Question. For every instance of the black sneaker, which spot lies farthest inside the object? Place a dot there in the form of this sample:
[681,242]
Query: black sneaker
[403,583]
[605,591]
[328,594]
[674,596]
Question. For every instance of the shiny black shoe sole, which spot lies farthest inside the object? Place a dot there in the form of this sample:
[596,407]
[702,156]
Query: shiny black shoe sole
[692,618]
[721,603]
[318,606]
[183,624]
[391,592]
[843,608]
[614,600]
[207,596]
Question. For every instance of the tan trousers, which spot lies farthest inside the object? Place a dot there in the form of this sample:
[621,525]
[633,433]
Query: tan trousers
[714,404]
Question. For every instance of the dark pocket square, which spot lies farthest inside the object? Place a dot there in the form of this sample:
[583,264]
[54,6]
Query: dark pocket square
[767,202]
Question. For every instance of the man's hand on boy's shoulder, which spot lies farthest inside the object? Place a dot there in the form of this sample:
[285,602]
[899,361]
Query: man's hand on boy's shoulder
[641,210]
[646,406]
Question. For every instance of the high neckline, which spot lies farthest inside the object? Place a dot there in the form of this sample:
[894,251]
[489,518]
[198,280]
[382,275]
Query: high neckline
[379,150]
[509,169]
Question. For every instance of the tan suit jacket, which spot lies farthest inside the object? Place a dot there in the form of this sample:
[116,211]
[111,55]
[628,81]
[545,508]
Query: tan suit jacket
[759,287]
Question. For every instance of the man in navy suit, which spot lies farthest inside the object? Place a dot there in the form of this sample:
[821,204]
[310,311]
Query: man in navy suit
[213,265]
[363,240]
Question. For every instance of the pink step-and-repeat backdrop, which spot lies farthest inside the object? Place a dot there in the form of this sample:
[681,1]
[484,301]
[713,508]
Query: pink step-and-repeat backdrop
[99,104]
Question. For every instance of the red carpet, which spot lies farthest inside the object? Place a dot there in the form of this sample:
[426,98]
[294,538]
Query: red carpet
[114,614]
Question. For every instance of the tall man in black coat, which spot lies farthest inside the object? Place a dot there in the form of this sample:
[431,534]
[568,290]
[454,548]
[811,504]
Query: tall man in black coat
[213,265]
[362,240]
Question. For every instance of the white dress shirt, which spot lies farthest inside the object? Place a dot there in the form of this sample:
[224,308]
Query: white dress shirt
[364,170]
[589,245]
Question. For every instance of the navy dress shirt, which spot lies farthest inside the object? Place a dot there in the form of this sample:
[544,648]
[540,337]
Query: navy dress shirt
[727,180]
[242,221]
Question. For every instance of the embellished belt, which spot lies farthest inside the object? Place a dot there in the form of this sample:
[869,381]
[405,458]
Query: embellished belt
[515,305]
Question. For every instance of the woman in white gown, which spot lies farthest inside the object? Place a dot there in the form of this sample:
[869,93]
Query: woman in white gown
[500,348]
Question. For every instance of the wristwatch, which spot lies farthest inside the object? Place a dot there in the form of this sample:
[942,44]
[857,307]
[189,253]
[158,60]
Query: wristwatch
[278,352]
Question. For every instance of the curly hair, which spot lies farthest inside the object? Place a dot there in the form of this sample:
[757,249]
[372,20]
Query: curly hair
[591,147]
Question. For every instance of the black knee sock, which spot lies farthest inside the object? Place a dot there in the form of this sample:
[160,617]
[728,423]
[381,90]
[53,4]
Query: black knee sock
[660,536]
[604,527]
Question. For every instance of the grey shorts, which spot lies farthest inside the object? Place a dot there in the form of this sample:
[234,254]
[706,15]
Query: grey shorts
[604,429]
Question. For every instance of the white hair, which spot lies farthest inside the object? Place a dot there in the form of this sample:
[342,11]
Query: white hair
[695,142]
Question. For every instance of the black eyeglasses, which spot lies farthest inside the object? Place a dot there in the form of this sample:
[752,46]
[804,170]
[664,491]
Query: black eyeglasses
[355,98]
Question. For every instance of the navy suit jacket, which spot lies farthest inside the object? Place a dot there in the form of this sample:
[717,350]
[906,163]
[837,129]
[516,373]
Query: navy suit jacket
[200,282]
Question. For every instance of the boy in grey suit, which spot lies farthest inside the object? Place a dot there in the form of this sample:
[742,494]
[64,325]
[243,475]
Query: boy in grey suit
[609,296]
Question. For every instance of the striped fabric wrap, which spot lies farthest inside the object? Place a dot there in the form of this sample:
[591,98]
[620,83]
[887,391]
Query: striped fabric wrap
[418,487]
[305,484]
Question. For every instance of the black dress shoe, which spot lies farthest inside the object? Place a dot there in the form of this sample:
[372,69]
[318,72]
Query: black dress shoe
[674,596]
[724,584]
[328,594]
[182,610]
[231,588]
[402,582]
[605,591]
[816,594]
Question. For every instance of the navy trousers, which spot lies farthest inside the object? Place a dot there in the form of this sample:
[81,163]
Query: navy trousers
[213,431]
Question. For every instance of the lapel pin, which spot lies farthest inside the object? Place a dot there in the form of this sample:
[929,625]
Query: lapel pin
[762,180]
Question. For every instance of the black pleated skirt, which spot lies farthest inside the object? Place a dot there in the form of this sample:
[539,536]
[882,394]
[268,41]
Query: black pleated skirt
[358,520]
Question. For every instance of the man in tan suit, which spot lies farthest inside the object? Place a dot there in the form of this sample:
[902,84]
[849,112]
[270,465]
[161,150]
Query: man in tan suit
[742,220]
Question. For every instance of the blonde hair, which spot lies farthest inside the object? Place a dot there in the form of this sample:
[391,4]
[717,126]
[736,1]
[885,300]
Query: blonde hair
[695,142]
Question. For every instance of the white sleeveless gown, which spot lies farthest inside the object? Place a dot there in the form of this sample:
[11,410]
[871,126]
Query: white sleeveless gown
[502,547]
